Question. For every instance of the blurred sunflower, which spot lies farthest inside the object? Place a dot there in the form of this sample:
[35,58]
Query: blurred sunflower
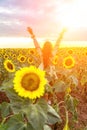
[21,58]
[55,60]
[13,56]
[70,51]
[85,53]
[31,51]
[6,56]
[68,62]
[1,51]
[30,60]
[29,82]
[9,66]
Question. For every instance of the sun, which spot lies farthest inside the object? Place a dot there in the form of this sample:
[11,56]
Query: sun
[73,15]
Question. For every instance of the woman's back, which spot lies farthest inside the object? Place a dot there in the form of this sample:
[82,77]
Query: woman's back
[47,53]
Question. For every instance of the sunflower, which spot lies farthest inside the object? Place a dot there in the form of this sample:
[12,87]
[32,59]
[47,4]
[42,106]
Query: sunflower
[6,56]
[70,51]
[21,58]
[86,53]
[29,82]
[30,60]
[9,66]
[13,56]
[31,51]
[55,60]
[1,51]
[68,62]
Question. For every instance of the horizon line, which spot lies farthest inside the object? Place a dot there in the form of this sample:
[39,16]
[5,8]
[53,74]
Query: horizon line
[27,42]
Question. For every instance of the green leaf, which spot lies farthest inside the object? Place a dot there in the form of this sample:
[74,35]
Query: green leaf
[16,123]
[3,127]
[37,114]
[74,80]
[29,127]
[52,116]
[5,109]
[71,104]
[43,104]
[17,103]
[59,86]
[46,127]
[6,84]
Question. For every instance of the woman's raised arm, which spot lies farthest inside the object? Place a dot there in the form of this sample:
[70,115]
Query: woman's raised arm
[37,46]
[57,44]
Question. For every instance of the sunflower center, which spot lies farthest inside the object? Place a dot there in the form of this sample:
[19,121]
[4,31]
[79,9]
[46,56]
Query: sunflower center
[10,66]
[22,58]
[68,62]
[32,52]
[30,81]
[30,60]
[70,51]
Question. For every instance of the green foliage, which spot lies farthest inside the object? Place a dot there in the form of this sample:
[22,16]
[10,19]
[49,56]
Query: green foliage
[71,105]
[52,116]
[27,114]
[5,109]
[3,126]
[46,127]
[36,114]
[16,102]
[16,123]
[85,128]
[6,85]
[59,86]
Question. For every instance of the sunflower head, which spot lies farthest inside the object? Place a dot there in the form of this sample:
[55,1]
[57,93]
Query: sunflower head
[30,60]
[29,82]
[6,56]
[13,56]
[21,58]
[68,62]
[31,51]
[1,51]
[70,51]
[9,66]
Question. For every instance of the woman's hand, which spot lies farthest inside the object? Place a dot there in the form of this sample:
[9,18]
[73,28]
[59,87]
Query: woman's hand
[30,30]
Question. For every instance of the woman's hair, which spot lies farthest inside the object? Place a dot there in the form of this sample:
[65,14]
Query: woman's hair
[47,53]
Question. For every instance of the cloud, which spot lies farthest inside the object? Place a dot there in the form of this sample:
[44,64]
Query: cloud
[42,15]
[29,13]
[76,35]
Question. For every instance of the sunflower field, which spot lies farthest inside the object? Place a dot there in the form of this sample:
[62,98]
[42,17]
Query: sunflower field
[36,99]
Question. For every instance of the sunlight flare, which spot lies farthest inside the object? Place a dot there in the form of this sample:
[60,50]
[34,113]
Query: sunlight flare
[74,16]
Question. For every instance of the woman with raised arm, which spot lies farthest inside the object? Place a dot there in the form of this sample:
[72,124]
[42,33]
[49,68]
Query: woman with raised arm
[46,53]
[37,46]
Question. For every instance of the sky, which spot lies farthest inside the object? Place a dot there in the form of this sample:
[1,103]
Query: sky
[47,18]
